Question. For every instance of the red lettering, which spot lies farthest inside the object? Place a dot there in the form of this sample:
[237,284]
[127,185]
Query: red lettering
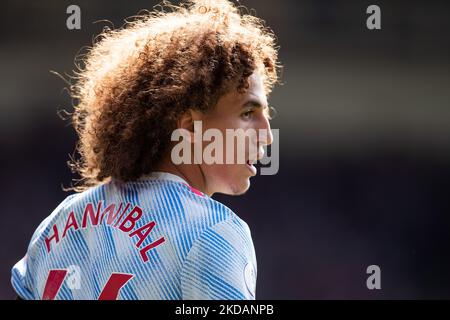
[123,212]
[73,223]
[53,284]
[94,216]
[115,282]
[132,219]
[54,236]
[110,291]
[110,211]
[142,235]
[152,245]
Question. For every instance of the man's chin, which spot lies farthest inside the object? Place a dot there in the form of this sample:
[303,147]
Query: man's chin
[236,187]
[240,189]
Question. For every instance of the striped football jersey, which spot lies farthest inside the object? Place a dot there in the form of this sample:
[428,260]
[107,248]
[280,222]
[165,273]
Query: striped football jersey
[153,238]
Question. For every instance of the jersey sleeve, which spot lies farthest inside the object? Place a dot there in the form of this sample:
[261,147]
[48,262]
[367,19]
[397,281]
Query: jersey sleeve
[19,280]
[22,272]
[221,264]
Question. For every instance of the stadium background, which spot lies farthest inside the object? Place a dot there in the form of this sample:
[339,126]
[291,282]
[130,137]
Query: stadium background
[364,121]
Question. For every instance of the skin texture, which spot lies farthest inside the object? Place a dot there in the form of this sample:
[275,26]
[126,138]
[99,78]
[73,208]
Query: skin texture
[234,110]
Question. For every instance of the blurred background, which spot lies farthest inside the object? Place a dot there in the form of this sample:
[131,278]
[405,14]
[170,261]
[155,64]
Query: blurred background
[364,119]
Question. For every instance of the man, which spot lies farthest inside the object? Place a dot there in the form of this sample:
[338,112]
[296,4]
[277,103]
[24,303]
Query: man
[143,225]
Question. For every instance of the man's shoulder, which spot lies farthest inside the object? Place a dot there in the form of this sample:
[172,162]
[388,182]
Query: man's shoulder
[198,208]
[186,200]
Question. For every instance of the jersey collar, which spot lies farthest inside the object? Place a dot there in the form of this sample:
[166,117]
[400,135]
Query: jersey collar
[159,175]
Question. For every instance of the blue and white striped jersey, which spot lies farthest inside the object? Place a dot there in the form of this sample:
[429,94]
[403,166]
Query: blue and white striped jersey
[154,238]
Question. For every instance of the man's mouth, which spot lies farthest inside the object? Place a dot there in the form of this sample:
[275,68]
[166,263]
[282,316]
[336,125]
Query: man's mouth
[251,167]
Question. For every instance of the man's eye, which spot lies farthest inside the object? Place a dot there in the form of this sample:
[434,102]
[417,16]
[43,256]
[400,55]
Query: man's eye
[247,114]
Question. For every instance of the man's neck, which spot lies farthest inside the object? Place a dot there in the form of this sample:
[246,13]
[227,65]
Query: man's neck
[191,173]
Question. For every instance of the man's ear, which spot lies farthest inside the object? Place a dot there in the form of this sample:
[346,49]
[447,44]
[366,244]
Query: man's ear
[186,121]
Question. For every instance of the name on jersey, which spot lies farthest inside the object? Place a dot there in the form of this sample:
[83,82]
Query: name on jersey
[116,218]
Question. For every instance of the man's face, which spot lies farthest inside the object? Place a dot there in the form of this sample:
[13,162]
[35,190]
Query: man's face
[247,111]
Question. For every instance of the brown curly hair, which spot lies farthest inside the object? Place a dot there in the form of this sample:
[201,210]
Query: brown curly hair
[134,82]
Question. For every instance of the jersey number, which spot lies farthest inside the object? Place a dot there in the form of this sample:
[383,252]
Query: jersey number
[110,291]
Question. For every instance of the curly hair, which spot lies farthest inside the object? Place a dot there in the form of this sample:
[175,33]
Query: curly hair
[135,82]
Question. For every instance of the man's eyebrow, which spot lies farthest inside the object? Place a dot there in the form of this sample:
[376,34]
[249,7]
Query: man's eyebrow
[253,103]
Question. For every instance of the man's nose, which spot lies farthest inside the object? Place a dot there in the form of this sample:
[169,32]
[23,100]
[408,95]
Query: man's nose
[265,134]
